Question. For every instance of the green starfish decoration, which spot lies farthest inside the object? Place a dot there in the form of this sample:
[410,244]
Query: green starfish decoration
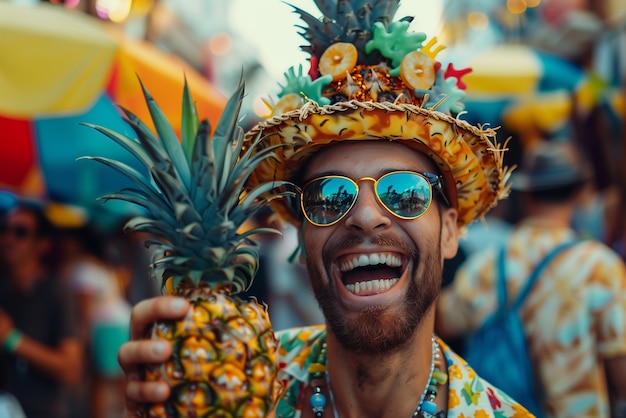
[396,43]
[446,92]
[302,85]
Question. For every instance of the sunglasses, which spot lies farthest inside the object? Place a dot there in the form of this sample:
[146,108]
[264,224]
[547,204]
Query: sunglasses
[19,231]
[405,194]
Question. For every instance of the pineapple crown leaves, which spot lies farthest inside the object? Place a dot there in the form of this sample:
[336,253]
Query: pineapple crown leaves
[195,193]
[349,21]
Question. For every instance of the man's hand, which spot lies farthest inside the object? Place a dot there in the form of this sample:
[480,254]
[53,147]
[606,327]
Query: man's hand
[139,351]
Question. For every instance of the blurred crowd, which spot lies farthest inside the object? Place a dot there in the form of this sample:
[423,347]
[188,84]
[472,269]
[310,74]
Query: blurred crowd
[67,288]
[67,285]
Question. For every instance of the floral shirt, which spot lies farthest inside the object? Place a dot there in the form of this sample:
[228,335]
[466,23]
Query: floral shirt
[574,316]
[468,395]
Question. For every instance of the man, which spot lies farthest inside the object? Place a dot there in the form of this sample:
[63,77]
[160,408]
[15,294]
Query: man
[41,350]
[573,316]
[387,175]
[378,341]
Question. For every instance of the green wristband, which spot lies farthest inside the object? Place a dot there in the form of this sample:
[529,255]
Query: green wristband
[12,340]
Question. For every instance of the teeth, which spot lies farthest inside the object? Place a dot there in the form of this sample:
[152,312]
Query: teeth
[376,259]
[378,286]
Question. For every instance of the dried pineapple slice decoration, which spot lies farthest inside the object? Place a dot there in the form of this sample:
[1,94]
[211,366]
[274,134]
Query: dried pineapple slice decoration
[338,59]
[288,102]
[417,70]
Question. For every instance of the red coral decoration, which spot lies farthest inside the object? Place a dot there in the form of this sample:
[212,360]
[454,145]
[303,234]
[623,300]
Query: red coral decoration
[458,73]
[313,71]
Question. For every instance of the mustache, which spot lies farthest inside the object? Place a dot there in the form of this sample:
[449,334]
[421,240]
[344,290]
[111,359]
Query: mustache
[382,240]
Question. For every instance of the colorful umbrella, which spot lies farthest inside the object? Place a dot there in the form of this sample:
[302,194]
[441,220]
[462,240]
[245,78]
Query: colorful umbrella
[526,91]
[60,68]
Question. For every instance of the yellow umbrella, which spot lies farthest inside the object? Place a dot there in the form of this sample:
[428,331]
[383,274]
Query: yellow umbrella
[61,67]
[58,61]
[525,90]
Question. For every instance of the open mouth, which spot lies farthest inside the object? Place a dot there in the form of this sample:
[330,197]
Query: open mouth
[370,274]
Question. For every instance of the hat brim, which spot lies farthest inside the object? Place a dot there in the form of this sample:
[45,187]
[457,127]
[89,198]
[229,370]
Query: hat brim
[468,157]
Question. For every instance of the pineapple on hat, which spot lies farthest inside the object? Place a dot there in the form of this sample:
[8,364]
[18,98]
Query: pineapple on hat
[371,78]
[224,361]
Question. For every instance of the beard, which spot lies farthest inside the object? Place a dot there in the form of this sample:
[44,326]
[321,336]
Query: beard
[381,329]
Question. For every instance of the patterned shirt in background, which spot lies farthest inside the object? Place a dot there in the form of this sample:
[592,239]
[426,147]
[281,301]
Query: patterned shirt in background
[574,316]
[468,395]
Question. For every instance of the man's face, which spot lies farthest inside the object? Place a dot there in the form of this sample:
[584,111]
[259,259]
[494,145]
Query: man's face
[397,263]
[19,242]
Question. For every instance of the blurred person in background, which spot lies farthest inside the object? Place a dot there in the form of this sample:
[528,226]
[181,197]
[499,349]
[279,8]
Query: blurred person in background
[131,259]
[9,406]
[291,302]
[573,317]
[41,353]
[104,312]
[282,282]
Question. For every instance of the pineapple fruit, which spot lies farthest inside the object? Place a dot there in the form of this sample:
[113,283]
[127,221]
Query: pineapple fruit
[224,351]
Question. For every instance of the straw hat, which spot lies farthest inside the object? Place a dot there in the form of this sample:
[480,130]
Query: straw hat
[379,82]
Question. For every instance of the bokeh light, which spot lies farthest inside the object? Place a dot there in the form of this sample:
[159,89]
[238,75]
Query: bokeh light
[71,4]
[260,108]
[516,6]
[220,44]
[114,10]
[477,20]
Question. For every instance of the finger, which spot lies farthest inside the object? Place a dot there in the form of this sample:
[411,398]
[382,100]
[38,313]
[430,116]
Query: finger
[133,354]
[148,311]
[138,392]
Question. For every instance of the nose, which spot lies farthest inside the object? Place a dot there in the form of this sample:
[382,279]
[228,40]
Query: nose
[367,214]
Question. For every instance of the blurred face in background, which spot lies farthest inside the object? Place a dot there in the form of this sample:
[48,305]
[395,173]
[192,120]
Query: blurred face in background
[20,241]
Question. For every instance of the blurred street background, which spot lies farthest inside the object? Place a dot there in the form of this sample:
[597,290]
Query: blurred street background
[540,67]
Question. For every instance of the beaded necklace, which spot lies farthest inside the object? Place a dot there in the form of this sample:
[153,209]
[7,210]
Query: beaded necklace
[426,407]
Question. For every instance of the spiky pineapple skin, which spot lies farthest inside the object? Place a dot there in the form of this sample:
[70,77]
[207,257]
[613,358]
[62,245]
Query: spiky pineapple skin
[224,359]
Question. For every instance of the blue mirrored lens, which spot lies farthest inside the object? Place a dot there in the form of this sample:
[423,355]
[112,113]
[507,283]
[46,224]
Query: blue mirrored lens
[407,195]
[326,200]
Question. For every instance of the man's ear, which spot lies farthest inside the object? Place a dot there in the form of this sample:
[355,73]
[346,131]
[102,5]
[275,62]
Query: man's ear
[449,233]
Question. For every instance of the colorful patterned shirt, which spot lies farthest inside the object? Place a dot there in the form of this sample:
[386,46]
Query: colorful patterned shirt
[468,395]
[574,316]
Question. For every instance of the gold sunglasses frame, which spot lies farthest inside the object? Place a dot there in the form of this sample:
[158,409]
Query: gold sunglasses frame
[434,181]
